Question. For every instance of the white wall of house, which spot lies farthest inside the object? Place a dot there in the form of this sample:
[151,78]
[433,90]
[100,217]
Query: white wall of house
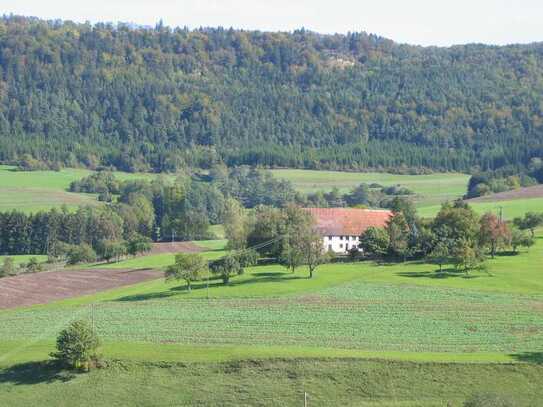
[340,244]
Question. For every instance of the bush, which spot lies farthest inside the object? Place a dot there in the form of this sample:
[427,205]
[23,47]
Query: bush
[8,268]
[83,253]
[34,266]
[77,345]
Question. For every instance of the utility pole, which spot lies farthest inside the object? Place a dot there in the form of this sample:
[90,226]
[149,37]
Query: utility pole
[92,317]
[305,399]
[207,284]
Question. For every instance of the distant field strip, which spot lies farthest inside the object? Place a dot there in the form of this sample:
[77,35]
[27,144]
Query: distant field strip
[510,209]
[431,189]
[31,191]
[352,316]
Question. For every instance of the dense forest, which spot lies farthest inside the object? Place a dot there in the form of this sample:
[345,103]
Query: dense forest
[161,98]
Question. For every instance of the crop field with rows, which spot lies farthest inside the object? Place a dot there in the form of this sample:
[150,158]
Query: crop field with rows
[356,315]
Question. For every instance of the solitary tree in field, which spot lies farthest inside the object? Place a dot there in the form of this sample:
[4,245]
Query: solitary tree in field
[233,264]
[77,345]
[186,267]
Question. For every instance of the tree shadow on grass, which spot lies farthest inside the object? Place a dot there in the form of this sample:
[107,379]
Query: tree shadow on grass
[34,373]
[508,253]
[530,357]
[257,278]
[436,275]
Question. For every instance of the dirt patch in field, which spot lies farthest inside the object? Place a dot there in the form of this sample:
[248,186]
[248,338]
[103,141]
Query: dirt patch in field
[175,247]
[46,287]
[522,193]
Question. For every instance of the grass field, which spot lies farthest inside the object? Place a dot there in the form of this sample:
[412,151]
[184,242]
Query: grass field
[359,306]
[511,209]
[282,382]
[31,191]
[358,334]
[430,189]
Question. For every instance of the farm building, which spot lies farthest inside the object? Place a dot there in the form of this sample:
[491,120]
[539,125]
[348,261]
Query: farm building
[341,227]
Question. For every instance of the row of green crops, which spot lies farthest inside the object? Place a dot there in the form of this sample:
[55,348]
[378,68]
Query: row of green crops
[352,316]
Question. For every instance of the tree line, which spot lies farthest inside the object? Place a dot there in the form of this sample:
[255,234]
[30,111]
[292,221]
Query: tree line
[457,235]
[160,99]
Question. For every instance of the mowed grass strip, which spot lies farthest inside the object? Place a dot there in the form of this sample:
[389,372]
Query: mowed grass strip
[430,189]
[284,382]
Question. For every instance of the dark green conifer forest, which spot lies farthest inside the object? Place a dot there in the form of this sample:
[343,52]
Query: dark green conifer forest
[158,99]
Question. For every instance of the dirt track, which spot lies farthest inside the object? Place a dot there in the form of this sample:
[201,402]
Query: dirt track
[42,288]
[175,247]
[521,193]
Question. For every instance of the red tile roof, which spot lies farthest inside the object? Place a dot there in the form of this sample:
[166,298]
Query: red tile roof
[348,221]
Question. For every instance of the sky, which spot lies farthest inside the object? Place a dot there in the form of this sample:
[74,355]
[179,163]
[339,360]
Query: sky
[421,22]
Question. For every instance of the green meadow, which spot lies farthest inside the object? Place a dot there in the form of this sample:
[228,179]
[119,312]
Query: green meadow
[364,333]
[430,189]
[510,209]
[31,191]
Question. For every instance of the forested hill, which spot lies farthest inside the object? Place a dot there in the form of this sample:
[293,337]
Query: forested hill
[140,98]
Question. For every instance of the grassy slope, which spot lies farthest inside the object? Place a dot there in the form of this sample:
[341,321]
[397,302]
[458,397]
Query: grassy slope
[267,383]
[494,313]
[388,308]
[214,250]
[39,190]
[432,189]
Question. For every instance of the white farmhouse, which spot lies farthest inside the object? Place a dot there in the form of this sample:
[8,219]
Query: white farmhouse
[341,227]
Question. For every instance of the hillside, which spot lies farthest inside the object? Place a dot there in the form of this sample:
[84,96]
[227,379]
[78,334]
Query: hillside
[155,99]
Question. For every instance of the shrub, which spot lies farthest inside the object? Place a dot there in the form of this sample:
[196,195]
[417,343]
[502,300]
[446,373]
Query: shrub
[34,266]
[8,268]
[77,345]
[83,253]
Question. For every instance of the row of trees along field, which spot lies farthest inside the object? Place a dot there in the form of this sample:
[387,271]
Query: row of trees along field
[159,99]
[457,235]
